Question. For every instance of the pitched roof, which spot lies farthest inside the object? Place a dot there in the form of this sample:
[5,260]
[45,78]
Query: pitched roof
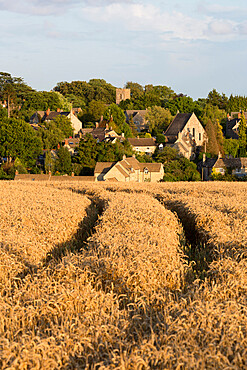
[142,141]
[133,162]
[152,167]
[231,162]
[178,124]
[85,131]
[53,115]
[103,167]
[121,170]
[133,112]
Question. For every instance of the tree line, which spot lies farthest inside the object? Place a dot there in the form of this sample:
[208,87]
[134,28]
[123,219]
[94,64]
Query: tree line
[96,98]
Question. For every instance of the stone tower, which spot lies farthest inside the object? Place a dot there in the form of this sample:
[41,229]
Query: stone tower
[122,94]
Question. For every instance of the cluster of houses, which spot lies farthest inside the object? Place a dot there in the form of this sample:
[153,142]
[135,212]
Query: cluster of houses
[185,134]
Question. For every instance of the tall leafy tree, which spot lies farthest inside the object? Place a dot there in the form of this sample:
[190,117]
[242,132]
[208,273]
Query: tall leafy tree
[212,144]
[86,152]
[63,163]
[242,136]
[18,139]
[117,115]
[136,90]
[159,118]
[231,147]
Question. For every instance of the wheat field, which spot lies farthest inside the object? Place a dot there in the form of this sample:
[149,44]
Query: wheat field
[123,276]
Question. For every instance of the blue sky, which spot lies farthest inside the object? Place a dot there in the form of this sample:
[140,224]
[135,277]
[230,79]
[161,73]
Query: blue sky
[192,46]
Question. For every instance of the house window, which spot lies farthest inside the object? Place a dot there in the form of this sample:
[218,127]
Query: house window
[200,136]
[193,132]
[145,171]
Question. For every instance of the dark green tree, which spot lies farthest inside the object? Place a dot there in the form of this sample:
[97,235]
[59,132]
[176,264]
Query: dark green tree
[136,90]
[242,136]
[63,163]
[231,147]
[158,118]
[212,146]
[65,125]
[18,139]
[87,152]
[117,115]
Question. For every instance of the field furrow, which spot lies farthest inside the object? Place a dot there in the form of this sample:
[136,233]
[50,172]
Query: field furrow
[108,284]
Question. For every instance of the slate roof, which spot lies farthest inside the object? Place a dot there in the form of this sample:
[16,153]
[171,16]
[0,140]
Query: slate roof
[231,163]
[152,167]
[133,113]
[178,124]
[133,162]
[142,141]
[103,167]
[121,170]
[126,166]
[53,115]
[230,124]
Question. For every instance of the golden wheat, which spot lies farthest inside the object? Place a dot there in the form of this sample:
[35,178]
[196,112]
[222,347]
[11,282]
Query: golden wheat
[125,300]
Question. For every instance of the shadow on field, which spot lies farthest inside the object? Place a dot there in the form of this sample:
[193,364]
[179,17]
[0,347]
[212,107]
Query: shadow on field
[84,231]
[196,244]
[77,241]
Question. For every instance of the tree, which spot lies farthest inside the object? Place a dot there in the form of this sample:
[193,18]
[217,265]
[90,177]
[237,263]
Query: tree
[167,155]
[217,99]
[8,88]
[158,118]
[117,115]
[231,147]
[51,135]
[176,167]
[242,136]
[86,152]
[63,163]
[136,90]
[18,139]
[92,113]
[49,162]
[212,144]
[65,125]
[219,135]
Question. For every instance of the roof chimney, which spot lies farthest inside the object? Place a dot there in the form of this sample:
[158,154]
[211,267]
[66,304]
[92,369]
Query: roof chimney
[239,115]
[124,157]
[48,112]
[96,124]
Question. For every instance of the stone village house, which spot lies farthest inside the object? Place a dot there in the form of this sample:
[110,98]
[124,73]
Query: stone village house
[186,134]
[128,170]
[143,145]
[47,116]
[234,166]
[139,119]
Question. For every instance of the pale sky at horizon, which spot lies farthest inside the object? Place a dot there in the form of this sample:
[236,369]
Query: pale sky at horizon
[192,46]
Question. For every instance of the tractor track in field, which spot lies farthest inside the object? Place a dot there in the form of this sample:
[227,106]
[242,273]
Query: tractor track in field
[196,246]
[75,244]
